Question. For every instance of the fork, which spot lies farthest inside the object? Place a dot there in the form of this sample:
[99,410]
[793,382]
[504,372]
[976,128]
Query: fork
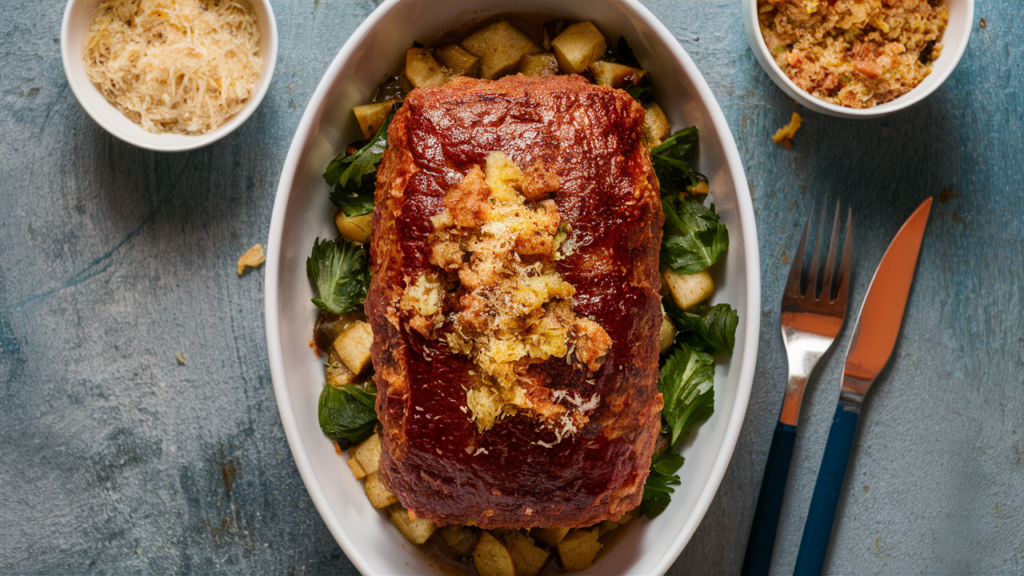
[811,319]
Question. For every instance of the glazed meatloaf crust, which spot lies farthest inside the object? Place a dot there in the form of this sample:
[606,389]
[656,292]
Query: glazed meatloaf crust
[515,303]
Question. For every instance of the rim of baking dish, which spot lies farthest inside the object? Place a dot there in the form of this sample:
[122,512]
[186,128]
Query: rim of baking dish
[752,279]
[915,95]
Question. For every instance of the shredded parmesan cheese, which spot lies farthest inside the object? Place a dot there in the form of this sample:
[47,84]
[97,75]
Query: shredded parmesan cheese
[181,66]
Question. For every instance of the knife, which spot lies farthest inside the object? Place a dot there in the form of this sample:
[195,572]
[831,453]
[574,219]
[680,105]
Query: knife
[874,337]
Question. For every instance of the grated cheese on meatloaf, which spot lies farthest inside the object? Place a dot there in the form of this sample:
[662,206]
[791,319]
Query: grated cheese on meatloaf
[853,53]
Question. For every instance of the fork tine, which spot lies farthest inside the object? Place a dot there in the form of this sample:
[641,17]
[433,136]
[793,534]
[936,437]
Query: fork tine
[812,277]
[843,279]
[796,267]
[830,260]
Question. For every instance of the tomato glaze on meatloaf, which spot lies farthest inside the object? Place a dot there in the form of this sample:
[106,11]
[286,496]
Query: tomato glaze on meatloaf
[515,303]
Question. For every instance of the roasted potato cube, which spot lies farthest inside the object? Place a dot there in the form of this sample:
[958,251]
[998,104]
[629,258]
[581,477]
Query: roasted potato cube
[371,116]
[367,453]
[355,228]
[338,375]
[527,556]
[615,75]
[460,539]
[688,290]
[379,495]
[549,536]
[578,46]
[492,558]
[668,334]
[357,469]
[606,527]
[655,124]
[456,59]
[422,70]
[499,46]
[353,346]
[416,531]
[625,518]
[551,29]
[543,64]
[578,549]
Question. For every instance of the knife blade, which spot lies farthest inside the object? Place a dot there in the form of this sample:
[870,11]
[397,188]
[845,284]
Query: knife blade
[881,315]
[874,337]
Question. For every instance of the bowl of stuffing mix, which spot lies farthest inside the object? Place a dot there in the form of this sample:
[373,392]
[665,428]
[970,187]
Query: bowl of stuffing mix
[858,58]
[169,75]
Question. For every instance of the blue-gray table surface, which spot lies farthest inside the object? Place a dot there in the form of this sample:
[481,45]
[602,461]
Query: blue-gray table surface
[115,458]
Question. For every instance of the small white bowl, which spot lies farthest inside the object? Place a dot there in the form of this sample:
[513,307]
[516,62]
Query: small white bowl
[302,211]
[954,41]
[78,18]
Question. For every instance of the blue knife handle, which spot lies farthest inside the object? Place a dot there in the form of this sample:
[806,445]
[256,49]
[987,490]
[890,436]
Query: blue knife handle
[810,560]
[758,558]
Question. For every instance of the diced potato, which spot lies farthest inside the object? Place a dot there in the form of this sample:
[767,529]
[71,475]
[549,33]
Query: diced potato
[499,47]
[655,124]
[551,29]
[460,539]
[615,75]
[578,549]
[355,228]
[668,334]
[371,116]
[379,495]
[528,557]
[367,453]
[578,46]
[543,64]
[353,346]
[338,375]
[492,558]
[606,527]
[549,536]
[357,469]
[688,290]
[625,518]
[456,59]
[422,70]
[416,531]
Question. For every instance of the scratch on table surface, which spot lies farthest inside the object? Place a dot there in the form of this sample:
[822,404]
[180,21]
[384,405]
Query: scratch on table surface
[103,262]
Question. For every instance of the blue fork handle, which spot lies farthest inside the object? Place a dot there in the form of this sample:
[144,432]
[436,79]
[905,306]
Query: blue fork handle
[810,560]
[758,558]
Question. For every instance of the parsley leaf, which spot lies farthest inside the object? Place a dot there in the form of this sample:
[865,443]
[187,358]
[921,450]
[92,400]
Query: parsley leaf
[694,237]
[352,194]
[340,273]
[686,383]
[706,327]
[347,414]
[658,489]
[639,93]
[671,160]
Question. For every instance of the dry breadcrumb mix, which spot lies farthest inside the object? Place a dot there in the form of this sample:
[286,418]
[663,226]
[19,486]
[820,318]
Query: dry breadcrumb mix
[853,53]
[180,66]
[252,258]
[785,134]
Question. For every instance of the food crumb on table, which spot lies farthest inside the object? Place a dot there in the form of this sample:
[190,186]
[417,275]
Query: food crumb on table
[180,358]
[785,134]
[252,258]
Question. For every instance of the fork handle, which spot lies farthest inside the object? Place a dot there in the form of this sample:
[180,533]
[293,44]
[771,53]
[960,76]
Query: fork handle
[810,560]
[758,558]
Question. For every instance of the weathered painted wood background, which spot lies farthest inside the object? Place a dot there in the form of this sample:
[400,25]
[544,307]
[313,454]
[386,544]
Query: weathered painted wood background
[115,458]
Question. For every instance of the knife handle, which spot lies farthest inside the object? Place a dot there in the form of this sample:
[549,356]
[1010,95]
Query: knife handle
[810,560]
[758,558]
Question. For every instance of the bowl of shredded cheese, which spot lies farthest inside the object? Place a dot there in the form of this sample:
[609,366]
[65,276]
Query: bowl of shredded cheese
[169,75]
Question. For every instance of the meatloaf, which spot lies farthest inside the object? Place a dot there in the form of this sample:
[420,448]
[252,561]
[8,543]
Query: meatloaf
[515,303]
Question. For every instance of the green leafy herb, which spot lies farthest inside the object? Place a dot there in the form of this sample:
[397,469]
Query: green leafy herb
[639,93]
[686,383]
[707,327]
[693,237]
[671,160]
[340,273]
[352,194]
[658,489]
[347,414]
